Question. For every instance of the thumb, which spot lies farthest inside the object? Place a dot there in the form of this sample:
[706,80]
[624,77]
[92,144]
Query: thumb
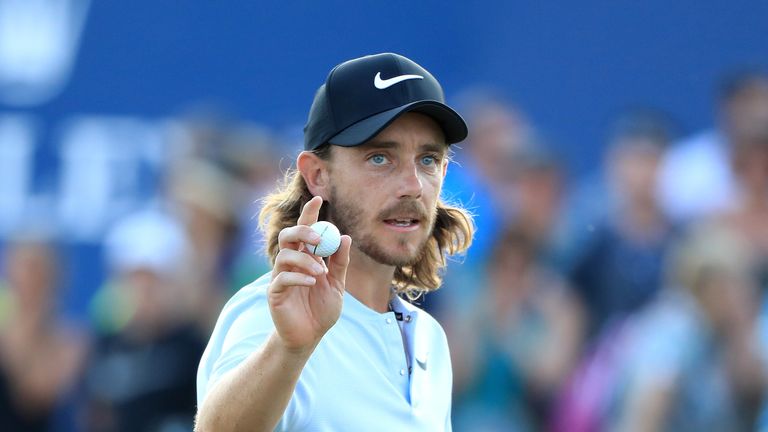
[338,262]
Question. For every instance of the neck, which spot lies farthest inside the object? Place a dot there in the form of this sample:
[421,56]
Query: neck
[369,281]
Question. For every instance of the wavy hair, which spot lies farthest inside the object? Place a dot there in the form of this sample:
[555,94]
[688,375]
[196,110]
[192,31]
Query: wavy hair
[451,234]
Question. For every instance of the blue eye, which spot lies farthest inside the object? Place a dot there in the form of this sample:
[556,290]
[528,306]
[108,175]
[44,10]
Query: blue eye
[429,160]
[378,159]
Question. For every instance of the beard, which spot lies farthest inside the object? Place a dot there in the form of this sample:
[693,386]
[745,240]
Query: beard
[347,217]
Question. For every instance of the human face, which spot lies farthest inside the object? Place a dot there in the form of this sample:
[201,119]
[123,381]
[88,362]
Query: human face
[634,165]
[384,193]
[746,114]
[31,273]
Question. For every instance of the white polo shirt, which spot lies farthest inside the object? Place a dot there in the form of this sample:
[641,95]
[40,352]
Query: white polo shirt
[357,378]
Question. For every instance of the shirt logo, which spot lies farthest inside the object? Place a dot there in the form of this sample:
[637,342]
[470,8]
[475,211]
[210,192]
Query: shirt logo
[381,84]
[422,363]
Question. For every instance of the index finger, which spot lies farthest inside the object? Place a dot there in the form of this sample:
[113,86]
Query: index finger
[310,211]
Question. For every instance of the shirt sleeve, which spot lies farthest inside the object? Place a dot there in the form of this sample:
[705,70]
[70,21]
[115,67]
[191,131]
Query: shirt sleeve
[244,324]
[242,328]
[245,336]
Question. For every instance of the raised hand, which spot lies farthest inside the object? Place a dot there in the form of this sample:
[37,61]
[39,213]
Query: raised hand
[305,297]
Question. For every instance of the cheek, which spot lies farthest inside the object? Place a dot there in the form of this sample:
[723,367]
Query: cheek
[432,183]
[357,195]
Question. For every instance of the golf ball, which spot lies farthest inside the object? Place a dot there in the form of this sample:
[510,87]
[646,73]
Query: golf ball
[330,239]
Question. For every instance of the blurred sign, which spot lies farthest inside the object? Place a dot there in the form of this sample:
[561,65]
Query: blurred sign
[98,168]
[38,45]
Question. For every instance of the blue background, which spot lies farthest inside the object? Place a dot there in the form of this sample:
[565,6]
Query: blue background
[569,66]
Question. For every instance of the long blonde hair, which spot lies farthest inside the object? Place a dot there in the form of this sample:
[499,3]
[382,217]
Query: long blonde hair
[451,235]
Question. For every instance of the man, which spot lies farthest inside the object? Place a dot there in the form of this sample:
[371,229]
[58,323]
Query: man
[331,346]
[698,177]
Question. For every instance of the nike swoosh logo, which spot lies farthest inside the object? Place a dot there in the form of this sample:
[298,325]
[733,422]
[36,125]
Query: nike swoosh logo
[422,364]
[381,84]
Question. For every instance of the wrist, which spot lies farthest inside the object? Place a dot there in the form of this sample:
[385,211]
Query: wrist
[290,352]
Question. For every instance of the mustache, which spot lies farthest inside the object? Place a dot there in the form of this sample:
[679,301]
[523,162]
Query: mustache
[413,209]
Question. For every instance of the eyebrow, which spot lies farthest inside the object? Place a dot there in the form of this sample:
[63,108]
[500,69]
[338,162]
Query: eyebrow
[430,147]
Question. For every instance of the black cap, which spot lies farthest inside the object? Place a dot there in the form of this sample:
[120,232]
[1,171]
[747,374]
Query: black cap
[362,96]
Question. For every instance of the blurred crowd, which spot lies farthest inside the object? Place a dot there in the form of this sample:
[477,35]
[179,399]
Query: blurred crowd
[631,298]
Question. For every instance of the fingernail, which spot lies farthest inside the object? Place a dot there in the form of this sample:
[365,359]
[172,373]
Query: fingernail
[314,237]
[310,280]
[317,269]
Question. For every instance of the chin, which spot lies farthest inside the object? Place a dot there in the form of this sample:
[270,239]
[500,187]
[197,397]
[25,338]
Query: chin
[403,253]
[392,249]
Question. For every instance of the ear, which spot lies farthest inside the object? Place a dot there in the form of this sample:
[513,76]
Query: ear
[315,173]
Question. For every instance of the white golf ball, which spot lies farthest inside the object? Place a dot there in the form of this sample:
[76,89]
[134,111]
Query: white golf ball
[330,239]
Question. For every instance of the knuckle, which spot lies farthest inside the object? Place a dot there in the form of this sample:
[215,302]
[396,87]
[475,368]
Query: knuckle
[284,278]
[286,256]
[281,255]
[298,261]
[283,233]
[277,279]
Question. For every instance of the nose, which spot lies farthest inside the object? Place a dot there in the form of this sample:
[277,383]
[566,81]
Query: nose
[410,181]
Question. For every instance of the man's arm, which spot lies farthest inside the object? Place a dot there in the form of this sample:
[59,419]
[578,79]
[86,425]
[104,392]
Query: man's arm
[254,395]
[305,301]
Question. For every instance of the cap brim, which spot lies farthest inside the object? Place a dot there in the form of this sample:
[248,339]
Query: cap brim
[454,127]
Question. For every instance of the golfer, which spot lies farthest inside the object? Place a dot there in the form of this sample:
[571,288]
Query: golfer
[334,345]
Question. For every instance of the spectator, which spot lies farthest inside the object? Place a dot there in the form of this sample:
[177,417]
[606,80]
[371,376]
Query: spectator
[746,218]
[253,157]
[749,212]
[483,183]
[486,186]
[41,354]
[619,269]
[536,181]
[697,176]
[693,364]
[202,195]
[141,375]
[517,341]
[688,361]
